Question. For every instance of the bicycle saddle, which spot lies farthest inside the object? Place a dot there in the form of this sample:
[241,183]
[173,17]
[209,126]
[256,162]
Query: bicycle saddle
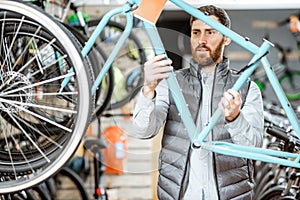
[94,144]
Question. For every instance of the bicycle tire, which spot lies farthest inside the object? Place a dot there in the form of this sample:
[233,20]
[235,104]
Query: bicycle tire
[97,59]
[134,57]
[290,84]
[261,172]
[275,193]
[69,186]
[35,193]
[40,130]
[38,192]
[289,79]
[265,179]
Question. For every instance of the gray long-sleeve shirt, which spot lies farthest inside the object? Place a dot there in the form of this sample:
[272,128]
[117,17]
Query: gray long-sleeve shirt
[147,125]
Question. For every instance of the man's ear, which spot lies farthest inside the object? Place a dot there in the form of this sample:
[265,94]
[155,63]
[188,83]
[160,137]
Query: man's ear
[227,41]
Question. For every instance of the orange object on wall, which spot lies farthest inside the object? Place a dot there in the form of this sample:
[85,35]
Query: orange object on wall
[294,24]
[150,10]
[116,150]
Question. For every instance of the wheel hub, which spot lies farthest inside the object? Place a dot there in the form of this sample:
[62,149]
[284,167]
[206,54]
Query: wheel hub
[15,92]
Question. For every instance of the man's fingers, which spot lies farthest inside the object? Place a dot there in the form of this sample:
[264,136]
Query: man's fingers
[162,69]
[230,104]
[229,96]
[233,94]
[162,63]
[158,58]
[155,70]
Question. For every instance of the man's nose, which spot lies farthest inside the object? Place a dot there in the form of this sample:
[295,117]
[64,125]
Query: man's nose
[202,39]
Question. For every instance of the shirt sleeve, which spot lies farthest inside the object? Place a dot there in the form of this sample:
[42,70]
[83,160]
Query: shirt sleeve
[149,115]
[248,127]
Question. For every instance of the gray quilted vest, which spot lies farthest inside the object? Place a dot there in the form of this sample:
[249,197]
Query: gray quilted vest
[173,160]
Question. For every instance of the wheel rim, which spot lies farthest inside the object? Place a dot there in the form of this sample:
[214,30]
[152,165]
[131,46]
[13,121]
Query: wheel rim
[40,129]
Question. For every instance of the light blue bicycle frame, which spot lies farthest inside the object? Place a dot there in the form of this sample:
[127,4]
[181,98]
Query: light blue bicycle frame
[198,139]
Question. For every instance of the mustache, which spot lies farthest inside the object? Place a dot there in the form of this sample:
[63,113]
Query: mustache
[199,47]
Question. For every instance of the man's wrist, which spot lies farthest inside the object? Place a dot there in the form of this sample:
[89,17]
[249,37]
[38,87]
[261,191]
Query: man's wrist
[148,92]
[231,119]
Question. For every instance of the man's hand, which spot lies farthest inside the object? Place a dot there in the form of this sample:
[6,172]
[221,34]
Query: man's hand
[155,70]
[230,104]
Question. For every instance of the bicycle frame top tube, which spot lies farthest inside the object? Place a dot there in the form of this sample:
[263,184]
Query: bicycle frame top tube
[199,139]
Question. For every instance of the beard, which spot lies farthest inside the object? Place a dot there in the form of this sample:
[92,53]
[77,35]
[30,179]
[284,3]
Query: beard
[213,57]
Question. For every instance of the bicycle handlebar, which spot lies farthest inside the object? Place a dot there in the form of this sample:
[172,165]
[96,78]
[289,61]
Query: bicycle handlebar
[287,20]
[283,135]
[117,115]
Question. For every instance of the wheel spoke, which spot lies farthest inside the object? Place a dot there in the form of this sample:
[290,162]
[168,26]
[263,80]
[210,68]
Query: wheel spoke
[10,157]
[24,66]
[29,138]
[38,83]
[9,50]
[39,132]
[41,117]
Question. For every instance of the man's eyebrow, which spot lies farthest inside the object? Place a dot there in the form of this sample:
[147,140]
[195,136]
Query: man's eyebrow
[207,29]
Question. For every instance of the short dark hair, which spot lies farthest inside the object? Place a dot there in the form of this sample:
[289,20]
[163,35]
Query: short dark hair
[213,10]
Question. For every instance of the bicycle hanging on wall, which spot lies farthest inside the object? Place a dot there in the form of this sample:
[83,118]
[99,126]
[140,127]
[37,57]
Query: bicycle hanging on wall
[67,82]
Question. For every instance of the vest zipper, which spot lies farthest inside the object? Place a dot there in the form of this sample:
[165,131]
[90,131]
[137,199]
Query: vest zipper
[212,135]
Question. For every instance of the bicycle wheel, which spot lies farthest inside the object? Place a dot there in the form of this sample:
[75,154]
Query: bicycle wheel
[97,59]
[69,186]
[96,56]
[264,180]
[128,65]
[35,193]
[261,173]
[288,79]
[41,122]
[290,83]
[275,193]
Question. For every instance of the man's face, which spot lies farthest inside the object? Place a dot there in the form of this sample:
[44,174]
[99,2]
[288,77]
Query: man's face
[207,44]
